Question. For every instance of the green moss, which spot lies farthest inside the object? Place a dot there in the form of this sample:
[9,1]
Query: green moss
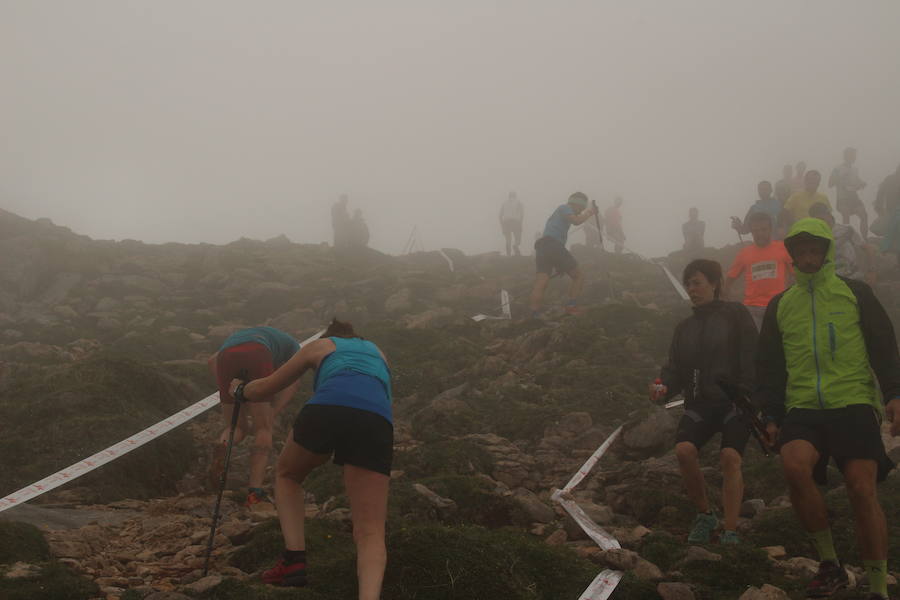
[77,409]
[54,582]
[21,541]
[662,549]
[444,457]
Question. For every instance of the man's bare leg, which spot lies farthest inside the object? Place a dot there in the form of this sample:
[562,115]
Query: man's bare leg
[798,458]
[576,284]
[689,464]
[732,486]
[537,292]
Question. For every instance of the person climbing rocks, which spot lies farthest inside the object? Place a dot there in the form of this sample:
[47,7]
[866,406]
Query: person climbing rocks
[710,363]
[823,344]
[348,418]
[797,206]
[845,180]
[853,257]
[359,230]
[765,265]
[550,252]
[766,203]
[340,222]
[512,213]
[693,231]
[254,352]
[613,219]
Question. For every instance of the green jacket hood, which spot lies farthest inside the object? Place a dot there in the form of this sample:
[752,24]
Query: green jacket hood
[819,229]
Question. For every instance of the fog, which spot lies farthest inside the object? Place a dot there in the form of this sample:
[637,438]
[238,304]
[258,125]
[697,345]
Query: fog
[210,120]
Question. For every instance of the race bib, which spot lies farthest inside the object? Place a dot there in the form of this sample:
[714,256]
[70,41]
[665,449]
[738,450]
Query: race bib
[764,270]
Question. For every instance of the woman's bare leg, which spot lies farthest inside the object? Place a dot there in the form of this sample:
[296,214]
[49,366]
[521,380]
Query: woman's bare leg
[294,464]
[368,493]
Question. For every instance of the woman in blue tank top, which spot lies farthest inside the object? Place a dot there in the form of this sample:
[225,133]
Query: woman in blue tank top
[349,417]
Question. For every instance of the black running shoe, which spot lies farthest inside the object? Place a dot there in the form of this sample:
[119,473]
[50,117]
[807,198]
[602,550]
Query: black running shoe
[831,578]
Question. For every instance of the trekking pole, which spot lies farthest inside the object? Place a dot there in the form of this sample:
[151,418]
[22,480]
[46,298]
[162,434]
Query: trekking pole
[238,398]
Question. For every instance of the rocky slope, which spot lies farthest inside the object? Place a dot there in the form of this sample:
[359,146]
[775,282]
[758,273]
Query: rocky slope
[100,339]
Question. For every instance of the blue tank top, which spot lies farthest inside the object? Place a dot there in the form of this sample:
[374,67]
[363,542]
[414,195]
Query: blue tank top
[354,375]
[281,346]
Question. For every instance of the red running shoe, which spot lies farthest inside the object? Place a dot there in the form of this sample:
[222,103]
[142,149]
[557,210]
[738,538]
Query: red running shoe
[286,575]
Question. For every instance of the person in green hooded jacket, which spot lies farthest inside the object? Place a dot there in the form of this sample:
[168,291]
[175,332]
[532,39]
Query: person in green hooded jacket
[820,343]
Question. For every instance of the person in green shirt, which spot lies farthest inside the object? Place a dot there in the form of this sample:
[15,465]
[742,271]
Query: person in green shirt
[797,206]
[824,341]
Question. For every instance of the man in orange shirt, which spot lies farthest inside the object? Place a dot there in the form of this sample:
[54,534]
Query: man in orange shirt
[765,265]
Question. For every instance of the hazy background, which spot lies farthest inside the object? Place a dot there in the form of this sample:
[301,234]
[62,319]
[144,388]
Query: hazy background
[210,120]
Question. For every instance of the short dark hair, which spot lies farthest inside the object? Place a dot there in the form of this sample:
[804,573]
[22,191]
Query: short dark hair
[759,216]
[341,329]
[710,269]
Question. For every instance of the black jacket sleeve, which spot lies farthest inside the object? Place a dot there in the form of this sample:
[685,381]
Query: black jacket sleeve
[747,350]
[669,374]
[881,343]
[771,369]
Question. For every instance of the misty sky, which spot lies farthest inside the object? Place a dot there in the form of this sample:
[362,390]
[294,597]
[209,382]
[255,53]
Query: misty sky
[190,120]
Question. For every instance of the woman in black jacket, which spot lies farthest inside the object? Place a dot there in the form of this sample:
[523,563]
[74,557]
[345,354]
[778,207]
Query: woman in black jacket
[710,363]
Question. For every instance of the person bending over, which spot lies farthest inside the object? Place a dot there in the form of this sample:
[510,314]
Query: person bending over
[710,362]
[254,352]
[348,418]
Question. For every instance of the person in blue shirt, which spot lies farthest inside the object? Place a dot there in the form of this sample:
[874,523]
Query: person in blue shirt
[349,417]
[253,352]
[550,252]
[768,204]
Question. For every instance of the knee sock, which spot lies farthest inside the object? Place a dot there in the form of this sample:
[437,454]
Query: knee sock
[824,544]
[292,557]
[876,570]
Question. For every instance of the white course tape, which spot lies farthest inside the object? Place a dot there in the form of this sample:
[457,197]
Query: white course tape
[675,283]
[605,583]
[674,403]
[447,258]
[116,450]
[589,464]
[110,454]
[603,586]
[504,306]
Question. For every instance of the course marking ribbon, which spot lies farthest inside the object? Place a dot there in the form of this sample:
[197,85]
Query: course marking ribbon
[116,450]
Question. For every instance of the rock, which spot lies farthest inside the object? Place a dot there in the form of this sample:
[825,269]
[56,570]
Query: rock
[399,301]
[573,424]
[800,566]
[750,508]
[20,569]
[620,558]
[646,570]
[696,553]
[767,592]
[167,596]
[669,590]
[557,538]
[775,552]
[650,434]
[203,585]
[600,514]
[532,505]
[436,500]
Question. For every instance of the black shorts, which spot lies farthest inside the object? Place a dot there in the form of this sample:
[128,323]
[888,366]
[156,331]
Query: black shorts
[850,204]
[839,433]
[356,437]
[511,227]
[697,426]
[550,254]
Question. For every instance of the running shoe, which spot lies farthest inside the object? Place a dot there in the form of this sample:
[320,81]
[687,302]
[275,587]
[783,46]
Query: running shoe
[293,575]
[701,530]
[729,538]
[256,496]
[831,578]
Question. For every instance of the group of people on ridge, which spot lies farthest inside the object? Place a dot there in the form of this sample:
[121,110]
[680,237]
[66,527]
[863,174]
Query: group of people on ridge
[349,232]
[824,369]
